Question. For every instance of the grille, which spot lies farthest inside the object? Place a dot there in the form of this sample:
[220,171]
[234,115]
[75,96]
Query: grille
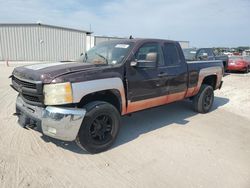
[24,83]
[30,92]
[31,98]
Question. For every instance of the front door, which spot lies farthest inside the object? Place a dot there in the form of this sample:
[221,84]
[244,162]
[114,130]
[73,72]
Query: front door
[143,82]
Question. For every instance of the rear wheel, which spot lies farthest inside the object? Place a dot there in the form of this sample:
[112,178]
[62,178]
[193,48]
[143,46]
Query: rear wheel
[99,128]
[203,101]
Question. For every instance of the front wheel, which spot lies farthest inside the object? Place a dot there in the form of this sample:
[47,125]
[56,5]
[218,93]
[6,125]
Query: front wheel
[99,128]
[203,101]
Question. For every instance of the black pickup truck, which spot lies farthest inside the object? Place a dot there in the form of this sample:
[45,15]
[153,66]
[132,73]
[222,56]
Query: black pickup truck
[83,101]
[193,54]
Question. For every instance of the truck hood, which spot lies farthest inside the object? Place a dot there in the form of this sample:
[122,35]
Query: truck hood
[48,71]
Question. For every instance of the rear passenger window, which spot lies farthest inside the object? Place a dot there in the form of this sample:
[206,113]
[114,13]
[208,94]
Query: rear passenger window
[210,53]
[171,54]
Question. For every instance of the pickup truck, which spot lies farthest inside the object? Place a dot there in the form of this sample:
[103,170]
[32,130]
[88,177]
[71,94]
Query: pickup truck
[193,54]
[84,101]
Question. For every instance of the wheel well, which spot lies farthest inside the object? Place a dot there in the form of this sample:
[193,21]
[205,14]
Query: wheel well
[210,80]
[111,96]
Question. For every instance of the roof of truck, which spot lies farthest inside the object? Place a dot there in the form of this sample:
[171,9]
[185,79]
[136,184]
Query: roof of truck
[144,40]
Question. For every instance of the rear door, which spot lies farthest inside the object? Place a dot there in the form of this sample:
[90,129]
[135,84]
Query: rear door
[174,70]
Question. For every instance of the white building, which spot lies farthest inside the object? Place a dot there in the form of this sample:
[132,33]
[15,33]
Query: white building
[42,42]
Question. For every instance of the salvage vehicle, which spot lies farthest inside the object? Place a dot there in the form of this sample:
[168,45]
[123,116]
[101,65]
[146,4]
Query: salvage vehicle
[193,54]
[239,63]
[84,101]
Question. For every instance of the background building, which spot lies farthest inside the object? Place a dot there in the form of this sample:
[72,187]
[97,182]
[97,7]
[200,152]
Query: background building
[184,44]
[42,42]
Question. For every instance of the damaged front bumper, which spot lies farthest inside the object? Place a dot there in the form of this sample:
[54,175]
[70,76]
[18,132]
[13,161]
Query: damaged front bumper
[58,122]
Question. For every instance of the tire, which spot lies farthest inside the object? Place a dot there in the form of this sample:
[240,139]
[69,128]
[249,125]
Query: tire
[203,101]
[99,128]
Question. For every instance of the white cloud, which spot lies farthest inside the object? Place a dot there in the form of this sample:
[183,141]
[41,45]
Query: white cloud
[203,22]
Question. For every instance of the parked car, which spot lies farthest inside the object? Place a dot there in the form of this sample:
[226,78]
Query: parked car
[228,54]
[199,54]
[84,101]
[239,63]
[246,53]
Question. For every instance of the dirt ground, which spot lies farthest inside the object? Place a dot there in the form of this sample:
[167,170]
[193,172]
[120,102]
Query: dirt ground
[168,146]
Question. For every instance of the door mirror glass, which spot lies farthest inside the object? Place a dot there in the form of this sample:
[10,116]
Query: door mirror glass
[143,64]
[151,57]
[203,56]
[149,61]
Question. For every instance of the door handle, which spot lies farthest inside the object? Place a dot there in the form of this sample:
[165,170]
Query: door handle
[162,74]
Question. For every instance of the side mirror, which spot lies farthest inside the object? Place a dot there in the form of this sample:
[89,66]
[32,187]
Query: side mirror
[149,62]
[203,56]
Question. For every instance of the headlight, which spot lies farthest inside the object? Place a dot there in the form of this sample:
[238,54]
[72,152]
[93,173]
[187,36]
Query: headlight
[55,94]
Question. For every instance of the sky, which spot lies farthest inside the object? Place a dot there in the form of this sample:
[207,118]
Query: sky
[205,23]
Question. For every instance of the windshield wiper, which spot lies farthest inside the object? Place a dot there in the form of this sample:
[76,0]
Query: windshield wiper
[106,60]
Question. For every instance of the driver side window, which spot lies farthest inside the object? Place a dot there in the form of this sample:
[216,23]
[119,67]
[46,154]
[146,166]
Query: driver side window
[146,51]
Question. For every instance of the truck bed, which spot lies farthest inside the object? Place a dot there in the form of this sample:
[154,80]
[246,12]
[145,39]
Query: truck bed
[198,69]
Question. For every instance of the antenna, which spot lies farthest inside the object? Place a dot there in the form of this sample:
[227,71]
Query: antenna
[39,22]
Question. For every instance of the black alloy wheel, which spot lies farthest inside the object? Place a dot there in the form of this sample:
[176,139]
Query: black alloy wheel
[99,128]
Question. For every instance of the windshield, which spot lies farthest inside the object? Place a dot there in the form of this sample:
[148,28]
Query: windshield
[109,53]
[189,54]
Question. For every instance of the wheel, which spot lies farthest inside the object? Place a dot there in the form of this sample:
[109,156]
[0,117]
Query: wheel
[203,101]
[99,128]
